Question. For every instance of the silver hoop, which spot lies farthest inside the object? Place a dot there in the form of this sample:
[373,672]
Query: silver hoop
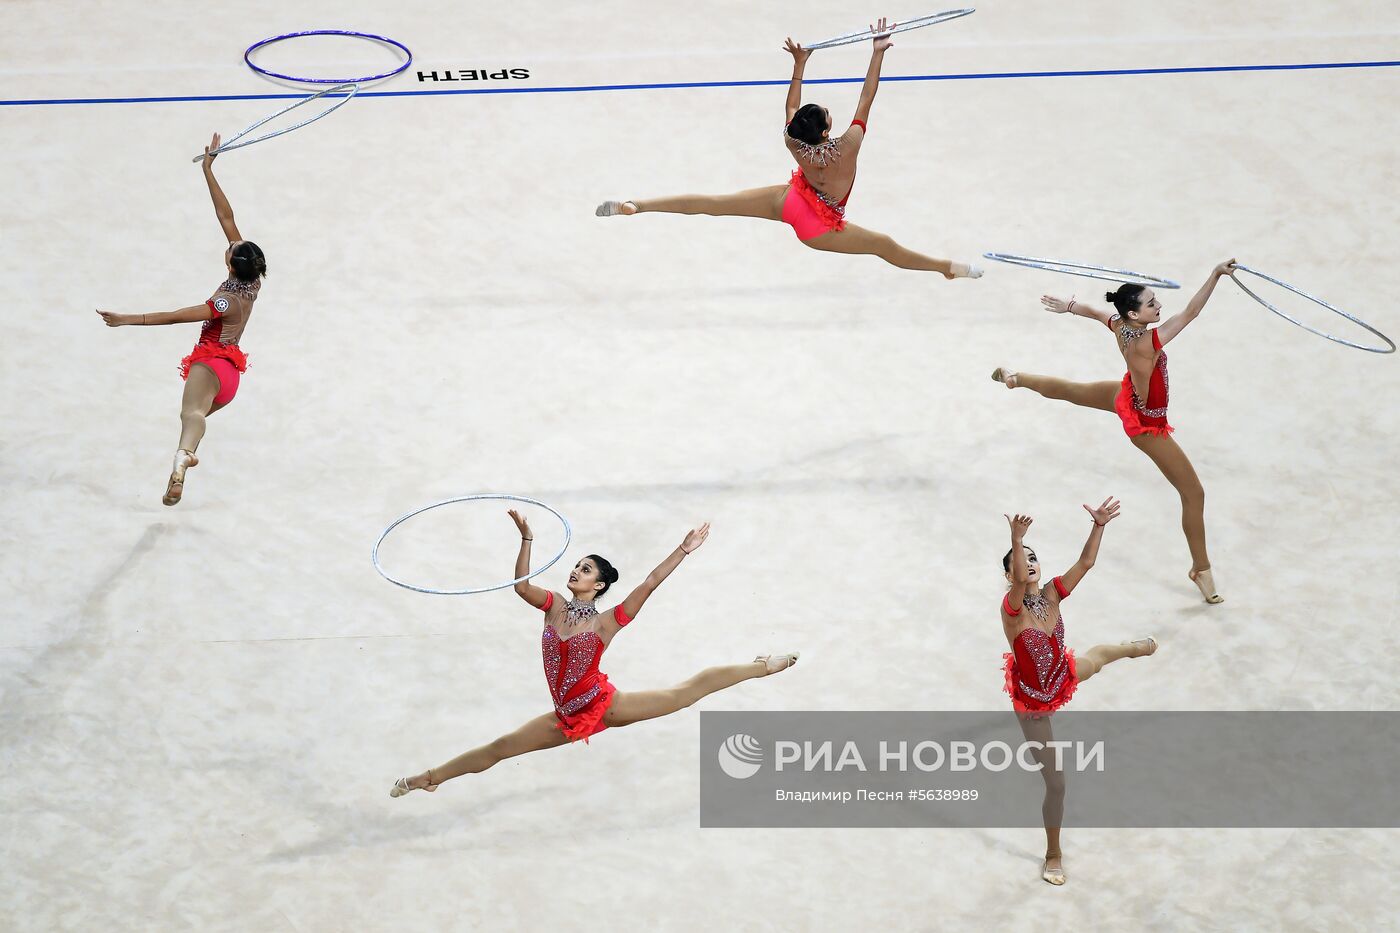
[233,143]
[1297,291]
[933,19]
[568,536]
[1068,268]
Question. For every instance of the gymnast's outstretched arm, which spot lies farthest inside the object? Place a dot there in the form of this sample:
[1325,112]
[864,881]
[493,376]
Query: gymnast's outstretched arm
[183,316]
[1077,308]
[872,74]
[1020,570]
[633,603]
[536,596]
[799,62]
[222,209]
[1101,516]
[1177,322]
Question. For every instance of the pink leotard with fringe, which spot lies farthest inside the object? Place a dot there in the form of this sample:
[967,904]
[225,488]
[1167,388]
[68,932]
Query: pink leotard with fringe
[809,212]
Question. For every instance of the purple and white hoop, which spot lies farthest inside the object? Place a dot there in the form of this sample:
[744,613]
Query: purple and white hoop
[247,56]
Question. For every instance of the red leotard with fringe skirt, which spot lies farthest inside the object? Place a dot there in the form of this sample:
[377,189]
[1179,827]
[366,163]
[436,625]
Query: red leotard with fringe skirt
[1150,417]
[218,348]
[581,692]
[810,213]
[1039,669]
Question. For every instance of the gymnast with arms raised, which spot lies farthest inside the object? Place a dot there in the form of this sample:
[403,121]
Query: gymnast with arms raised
[1140,398]
[1041,673]
[814,202]
[573,640]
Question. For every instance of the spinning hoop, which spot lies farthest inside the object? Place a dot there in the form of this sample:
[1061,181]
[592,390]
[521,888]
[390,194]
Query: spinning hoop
[233,142]
[568,536]
[1058,265]
[247,56]
[933,19]
[1355,320]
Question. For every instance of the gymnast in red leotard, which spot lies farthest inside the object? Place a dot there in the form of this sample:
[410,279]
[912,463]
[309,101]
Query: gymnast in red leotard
[211,370]
[813,203]
[574,638]
[1140,398]
[1041,673]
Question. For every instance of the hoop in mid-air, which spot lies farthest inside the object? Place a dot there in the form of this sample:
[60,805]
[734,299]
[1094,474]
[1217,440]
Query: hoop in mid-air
[568,536]
[234,143]
[1084,269]
[408,56]
[1390,348]
[933,19]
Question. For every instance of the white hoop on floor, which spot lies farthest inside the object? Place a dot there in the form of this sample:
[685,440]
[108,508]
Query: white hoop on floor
[233,143]
[1297,291]
[1068,268]
[568,536]
[933,19]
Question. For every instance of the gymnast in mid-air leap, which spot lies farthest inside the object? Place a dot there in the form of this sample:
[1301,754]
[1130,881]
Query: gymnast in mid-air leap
[814,202]
[573,639]
[211,370]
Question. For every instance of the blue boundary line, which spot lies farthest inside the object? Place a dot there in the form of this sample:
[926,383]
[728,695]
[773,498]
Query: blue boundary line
[579,88]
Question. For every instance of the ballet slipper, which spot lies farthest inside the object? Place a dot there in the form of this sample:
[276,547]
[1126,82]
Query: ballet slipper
[613,208]
[1206,584]
[175,488]
[1152,646]
[401,787]
[1055,876]
[963,270]
[783,662]
[1004,376]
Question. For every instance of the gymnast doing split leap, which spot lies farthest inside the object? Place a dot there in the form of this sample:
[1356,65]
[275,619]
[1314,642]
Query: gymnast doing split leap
[1140,399]
[211,371]
[573,640]
[814,202]
[1041,673]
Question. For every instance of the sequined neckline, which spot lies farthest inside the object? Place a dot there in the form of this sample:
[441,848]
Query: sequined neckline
[819,154]
[578,611]
[1037,604]
[1127,332]
[237,287]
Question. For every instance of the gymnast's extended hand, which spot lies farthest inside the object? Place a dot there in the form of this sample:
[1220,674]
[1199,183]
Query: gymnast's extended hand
[1101,516]
[798,53]
[693,539]
[211,151]
[1177,322]
[1020,568]
[1074,306]
[534,595]
[881,32]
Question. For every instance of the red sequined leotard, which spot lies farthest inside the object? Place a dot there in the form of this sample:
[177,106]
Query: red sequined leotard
[581,692]
[1149,417]
[232,304]
[1039,669]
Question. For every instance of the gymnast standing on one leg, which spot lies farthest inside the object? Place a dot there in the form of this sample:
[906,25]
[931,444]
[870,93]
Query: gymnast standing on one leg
[1140,399]
[1041,673]
[211,371]
[814,203]
[573,641]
